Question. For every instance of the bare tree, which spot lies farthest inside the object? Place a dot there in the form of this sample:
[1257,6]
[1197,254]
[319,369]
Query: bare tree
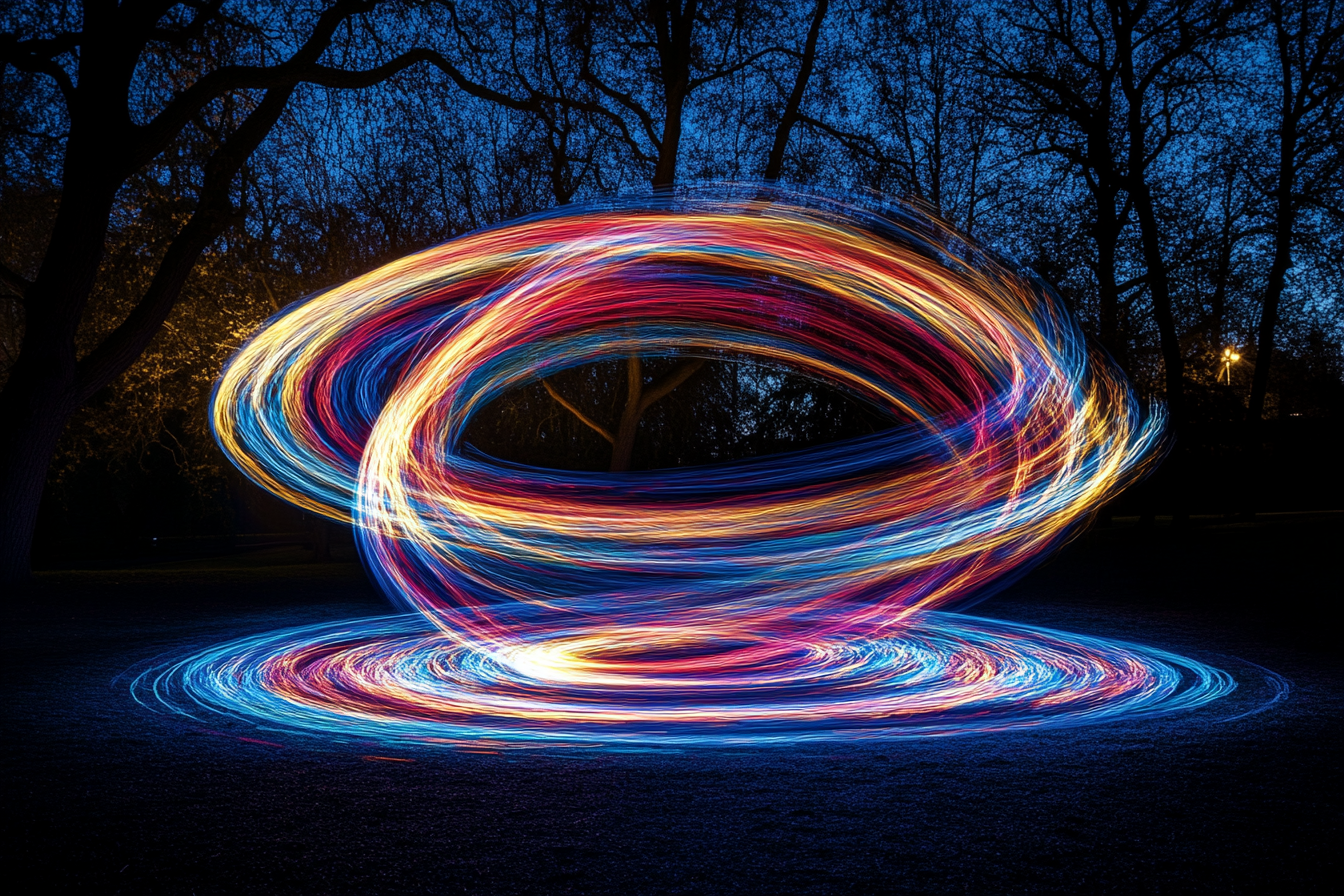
[932,96]
[1306,156]
[681,47]
[1060,61]
[134,78]
[1161,50]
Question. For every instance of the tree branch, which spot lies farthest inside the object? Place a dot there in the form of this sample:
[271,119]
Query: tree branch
[213,213]
[679,375]
[855,142]
[37,56]
[775,161]
[589,422]
[14,279]
[628,102]
[718,74]
[159,132]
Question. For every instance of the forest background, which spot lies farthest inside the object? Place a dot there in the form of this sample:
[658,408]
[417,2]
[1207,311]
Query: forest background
[173,174]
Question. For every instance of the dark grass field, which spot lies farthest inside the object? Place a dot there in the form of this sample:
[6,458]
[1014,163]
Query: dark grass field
[103,796]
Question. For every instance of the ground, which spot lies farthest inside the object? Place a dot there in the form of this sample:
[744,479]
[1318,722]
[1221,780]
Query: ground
[103,796]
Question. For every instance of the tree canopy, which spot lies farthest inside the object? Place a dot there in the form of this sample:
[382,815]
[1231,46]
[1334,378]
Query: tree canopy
[171,174]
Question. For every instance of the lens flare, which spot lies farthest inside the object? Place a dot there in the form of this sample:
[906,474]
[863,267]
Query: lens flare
[793,597]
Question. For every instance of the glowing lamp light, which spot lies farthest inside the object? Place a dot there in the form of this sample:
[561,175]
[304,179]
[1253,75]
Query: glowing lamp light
[795,597]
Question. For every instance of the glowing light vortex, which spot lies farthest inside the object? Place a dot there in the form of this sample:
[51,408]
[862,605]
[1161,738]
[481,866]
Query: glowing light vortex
[798,596]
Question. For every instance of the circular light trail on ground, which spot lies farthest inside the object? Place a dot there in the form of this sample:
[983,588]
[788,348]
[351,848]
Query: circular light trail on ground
[400,679]
[793,597]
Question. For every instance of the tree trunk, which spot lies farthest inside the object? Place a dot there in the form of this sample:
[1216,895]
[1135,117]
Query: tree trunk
[672,26]
[665,171]
[1159,285]
[1278,270]
[42,391]
[775,162]
[48,383]
[1124,20]
[33,416]
[1173,363]
[623,446]
[638,400]
[1264,351]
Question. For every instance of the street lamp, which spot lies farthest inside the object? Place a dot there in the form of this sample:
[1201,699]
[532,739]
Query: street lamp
[1230,357]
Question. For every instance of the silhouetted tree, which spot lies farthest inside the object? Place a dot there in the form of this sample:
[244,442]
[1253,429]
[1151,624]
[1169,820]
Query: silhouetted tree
[167,181]
[1304,150]
[134,79]
[1060,62]
[687,46]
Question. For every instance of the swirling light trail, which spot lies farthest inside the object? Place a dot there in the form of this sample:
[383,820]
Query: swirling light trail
[797,596]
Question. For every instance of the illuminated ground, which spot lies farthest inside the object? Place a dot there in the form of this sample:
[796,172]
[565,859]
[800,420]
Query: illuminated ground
[103,796]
